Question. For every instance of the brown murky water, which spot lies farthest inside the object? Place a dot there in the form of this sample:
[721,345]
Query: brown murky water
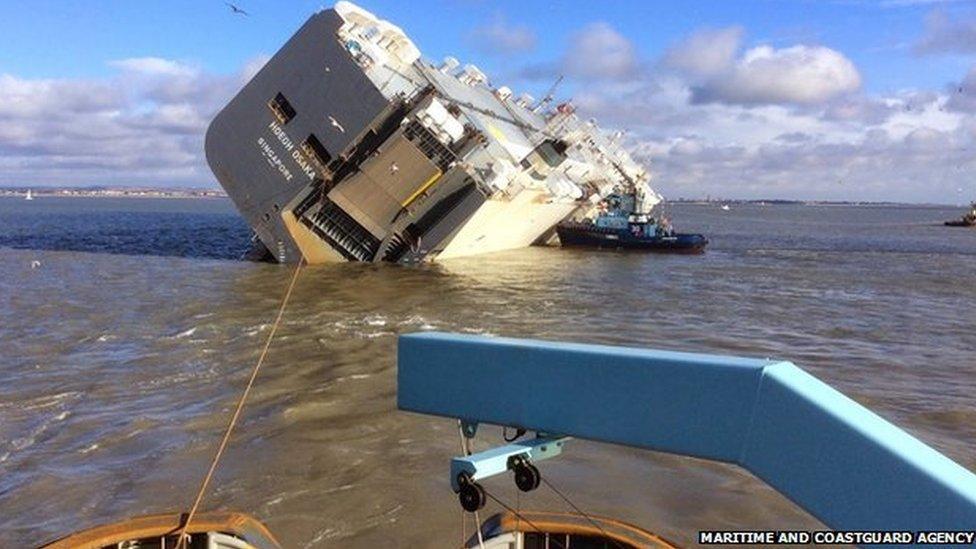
[118,372]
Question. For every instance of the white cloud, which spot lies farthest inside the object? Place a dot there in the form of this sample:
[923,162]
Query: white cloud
[706,52]
[712,61]
[962,95]
[143,126]
[27,98]
[945,34]
[799,75]
[499,37]
[926,165]
[155,66]
[792,123]
[711,117]
[600,52]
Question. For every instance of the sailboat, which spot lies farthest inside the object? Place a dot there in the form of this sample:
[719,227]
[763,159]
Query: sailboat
[29,196]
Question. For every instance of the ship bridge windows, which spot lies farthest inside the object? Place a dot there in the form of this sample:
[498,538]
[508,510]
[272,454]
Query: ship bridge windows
[316,151]
[281,108]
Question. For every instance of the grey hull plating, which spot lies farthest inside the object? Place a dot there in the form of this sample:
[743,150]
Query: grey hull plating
[338,89]
[336,192]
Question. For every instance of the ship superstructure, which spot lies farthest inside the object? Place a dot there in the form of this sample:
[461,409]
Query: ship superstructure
[347,145]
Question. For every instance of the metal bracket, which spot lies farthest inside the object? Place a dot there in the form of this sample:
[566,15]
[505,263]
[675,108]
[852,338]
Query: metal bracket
[503,458]
[469,428]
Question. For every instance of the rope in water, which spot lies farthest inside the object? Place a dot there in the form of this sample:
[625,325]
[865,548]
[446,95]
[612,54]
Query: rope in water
[181,540]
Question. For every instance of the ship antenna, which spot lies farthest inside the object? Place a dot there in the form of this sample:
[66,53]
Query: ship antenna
[549,96]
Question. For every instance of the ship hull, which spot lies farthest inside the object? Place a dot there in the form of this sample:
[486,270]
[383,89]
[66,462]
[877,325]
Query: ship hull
[346,146]
[590,236]
[507,224]
[350,204]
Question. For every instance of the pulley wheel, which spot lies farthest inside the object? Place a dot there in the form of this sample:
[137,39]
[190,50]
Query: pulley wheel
[527,477]
[472,496]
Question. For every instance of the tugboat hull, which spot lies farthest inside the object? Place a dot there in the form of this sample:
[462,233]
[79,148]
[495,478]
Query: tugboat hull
[590,236]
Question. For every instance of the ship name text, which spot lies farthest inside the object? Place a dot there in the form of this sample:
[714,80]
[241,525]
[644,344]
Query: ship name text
[273,159]
[296,152]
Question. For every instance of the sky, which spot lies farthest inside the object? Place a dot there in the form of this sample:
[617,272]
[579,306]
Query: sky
[799,99]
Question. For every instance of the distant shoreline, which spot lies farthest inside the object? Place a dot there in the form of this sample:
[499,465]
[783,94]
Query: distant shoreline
[108,192]
[787,202]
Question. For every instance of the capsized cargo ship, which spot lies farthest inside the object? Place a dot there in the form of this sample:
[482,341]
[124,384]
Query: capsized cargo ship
[348,145]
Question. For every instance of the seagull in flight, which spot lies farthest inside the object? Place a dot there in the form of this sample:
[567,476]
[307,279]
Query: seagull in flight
[335,124]
[235,9]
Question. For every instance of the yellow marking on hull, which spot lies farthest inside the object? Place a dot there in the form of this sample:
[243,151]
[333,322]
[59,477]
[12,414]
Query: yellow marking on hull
[497,134]
[427,184]
[312,247]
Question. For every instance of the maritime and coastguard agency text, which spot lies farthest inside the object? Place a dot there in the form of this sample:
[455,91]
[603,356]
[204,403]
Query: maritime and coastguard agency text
[830,537]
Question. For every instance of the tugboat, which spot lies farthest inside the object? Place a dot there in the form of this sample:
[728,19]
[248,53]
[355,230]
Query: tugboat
[619,224]
[968,220]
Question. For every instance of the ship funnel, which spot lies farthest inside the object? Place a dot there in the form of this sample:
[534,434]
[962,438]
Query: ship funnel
[448,65]
[503,93]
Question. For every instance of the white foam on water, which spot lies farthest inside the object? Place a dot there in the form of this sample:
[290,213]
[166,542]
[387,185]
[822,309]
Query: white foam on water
[328,533]
[275,501]
[48,401]
[255,330]
[186,333]
[479,331]
[375,320]
[373,335]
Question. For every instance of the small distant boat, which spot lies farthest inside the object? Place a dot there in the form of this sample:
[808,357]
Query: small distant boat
[29,196]
[968,220]
[212,529]
[619,226]
[725,207]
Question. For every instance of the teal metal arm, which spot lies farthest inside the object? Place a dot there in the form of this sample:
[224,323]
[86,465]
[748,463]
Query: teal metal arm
[845,465]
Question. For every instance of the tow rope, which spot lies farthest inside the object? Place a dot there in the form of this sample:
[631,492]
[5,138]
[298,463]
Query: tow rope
[182,539]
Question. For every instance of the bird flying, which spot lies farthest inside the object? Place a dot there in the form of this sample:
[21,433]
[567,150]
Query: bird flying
[235,9]
[335,124]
